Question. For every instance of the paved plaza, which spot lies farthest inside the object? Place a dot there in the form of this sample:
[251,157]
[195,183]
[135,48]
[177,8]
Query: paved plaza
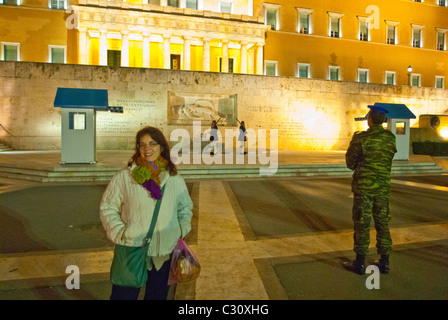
[257,239]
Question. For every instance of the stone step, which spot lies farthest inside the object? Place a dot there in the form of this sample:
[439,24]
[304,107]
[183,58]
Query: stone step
[4,147]
[78,173]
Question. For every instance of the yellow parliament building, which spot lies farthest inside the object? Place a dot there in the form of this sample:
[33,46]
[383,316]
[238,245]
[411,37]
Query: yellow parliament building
[395,42]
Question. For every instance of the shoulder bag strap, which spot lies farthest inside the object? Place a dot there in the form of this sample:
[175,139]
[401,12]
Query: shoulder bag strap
[154,216]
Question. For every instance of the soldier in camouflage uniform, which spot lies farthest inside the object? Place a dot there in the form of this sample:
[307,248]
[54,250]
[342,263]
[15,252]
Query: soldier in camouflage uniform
[370,155]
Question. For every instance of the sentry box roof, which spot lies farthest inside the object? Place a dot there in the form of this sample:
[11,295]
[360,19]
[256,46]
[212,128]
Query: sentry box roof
[84,98]
[392,110]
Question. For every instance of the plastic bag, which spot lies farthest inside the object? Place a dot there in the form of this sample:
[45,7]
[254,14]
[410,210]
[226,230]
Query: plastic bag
[184,264]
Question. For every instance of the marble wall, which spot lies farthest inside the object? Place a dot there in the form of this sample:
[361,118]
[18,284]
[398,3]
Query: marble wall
[308,114]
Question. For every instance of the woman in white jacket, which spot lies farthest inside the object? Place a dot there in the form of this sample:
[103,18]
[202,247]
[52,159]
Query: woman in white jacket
[127,207]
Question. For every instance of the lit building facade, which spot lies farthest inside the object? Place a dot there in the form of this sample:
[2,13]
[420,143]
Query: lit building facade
[334,40]
[358,41]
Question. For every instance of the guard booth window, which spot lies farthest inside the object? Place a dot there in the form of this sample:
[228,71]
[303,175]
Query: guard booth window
[77,121]
[400,127]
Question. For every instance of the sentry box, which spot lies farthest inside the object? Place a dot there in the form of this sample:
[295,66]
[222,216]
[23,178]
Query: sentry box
[398,121]
[78,122]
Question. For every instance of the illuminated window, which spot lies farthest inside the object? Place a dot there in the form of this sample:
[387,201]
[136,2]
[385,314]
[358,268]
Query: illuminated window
[417,36]
[58,4]
[57,54]
[10,51]
[364,29]
[441,39]
[400,127]
[271,15]
[440,82]
[391,32]
[225,6]
[335,73]
[270,68]
[192,4]
[11,2]
[304,70]
[304,20]
[416,80]
[173,3]
[335,29]
[363,75]
[390,77]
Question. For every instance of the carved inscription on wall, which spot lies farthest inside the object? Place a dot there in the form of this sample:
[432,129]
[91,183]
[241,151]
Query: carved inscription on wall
[136,114]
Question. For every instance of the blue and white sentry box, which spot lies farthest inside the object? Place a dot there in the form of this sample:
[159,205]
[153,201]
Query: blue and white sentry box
[398,121]
[78,124]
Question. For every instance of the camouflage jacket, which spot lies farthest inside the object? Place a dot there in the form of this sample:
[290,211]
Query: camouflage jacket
[370,155]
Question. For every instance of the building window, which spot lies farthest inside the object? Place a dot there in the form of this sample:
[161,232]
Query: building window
[335,29]
[57,54]
[418,0]
[231,65]
[391,32]
[400,127]
[304,70]
[270,68]
[417,36]
[363,75]
[10,2]
[113,58]
[304,20]
[391,78]
[335,73]
[364,29]
[441,3]
[225,6]
[173,3]
[441,39]
[192,4]
[10,51]
[58,4]
[271,15]
[440,82]
[415,80]
[175,61]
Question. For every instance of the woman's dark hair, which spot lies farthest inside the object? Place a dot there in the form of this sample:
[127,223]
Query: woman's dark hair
[158,137]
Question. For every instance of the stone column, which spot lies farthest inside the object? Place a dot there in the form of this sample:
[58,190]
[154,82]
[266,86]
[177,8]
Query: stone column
[82,47]
[243,57]
[166,51]
[163,2]
[146,50]
[206,55]
[125,48]
[187,59]
[259,64]
[225,57]
[103,47]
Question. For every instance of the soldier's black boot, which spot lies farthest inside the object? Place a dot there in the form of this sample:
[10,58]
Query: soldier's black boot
[383,264]
[357,266]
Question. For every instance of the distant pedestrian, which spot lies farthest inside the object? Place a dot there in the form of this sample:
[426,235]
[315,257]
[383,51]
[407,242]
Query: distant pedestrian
[214,136]
[370,155]
[127,208]
[242,138]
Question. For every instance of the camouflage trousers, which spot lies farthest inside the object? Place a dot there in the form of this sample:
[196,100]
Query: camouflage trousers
[366,206]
